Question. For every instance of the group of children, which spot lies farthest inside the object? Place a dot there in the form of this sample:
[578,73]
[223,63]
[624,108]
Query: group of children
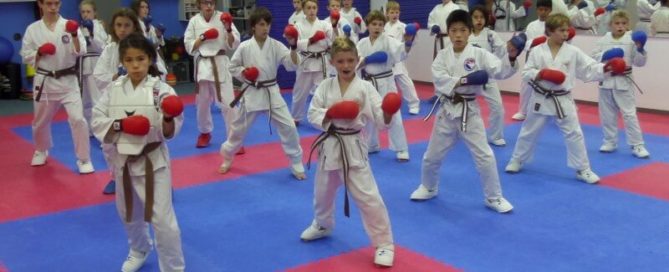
[133,112]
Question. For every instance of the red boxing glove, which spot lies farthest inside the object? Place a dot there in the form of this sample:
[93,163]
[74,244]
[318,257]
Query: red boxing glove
[172,106]
[538,41]
[527,4]
[318,36]
[417,25]
[599,11]
[346,109]
[615,66]
[226,18]
[210,34]
[290,32]
[72,27]
[391,103]
[334,17]
[572,33]
[554,76]
[357,20]
[251,73]
[47,49]
[135,125]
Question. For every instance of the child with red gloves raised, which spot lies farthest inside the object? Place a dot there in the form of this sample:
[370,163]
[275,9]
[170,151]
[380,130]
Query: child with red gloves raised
[255,63]
[341,107]
[137,114]
[459,72]
[551,70]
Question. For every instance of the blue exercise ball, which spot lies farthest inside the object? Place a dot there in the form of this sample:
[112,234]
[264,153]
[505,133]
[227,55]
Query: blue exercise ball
[6,51]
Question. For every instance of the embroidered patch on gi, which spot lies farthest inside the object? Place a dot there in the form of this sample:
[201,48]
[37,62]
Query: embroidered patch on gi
[537,106]
[65,39]
[470,64]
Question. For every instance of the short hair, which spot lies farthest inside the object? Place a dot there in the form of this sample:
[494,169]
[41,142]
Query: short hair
[375,15]
[620,13]
[343,44]
[545,4]
[127,13]
[260,13]
[483,10]
[304,3]
[88,2]
[393,5]
[554,21]
[460,16]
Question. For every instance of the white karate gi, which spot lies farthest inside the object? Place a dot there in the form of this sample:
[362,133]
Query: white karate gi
[447,69]
[165,226]
[400,71]
[385,84]
[574,64]
[438,16]
[56,92]
[360,183]
[95,42]
[616,93]
[659,23]
[502,16]
[645,11]
[534,30]
[583,20]
[356,30]
[296,16]
[211,50]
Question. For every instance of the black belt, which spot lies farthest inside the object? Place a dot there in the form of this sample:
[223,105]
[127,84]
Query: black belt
[149,183]
[457,98]
[72,71]
[80,64]
[374,77]
[317,55]
[627,73]
[337,133]
[553,94]
[214,67]
[265,84]
[644,20]
[438,39]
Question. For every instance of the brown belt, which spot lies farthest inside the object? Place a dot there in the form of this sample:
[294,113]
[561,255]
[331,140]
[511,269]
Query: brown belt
[55,74]
[217,80]
[148,186]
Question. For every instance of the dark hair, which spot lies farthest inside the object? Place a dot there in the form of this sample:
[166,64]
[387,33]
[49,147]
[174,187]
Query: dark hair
[664,2]
[460,16]
[260,13]
[545,4]
[483,10]
[127,13]
[138,41]
[375,15]
[136,3]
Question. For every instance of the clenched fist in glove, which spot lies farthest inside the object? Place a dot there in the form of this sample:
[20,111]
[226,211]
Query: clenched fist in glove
[612,53]
[88,24]
[639,38]
[334,17]
[346,109]
[479,77]
[615,66]
[172,106]
[251,73]
[317,37]
[226,19]
[538,41]
[517,44]
[357,21]
[46,49]
[554,76]
[71,27]
[377,57]
[135,125]
[391,103]
[210,34]
[291,35]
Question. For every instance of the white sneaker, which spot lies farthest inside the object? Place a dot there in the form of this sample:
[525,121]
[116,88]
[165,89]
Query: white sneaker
[498,142]
[85,167]
[608,147]
[587,176]
[39,158]
[414,110]
[384,256]
[513,166]
[422,193]
[640,151]
[403,156]
[134,261]
[298,171]
[518,116]
[500,205]
[315,233]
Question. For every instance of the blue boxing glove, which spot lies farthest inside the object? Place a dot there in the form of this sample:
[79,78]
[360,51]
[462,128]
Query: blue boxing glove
[121,71]
[612,53]
[147,20]
[479,77]
[162,28]
[519,41]
[88,24]
[611,7]
[410,30]
[435,29]
[347,30]
[639,37]
[377,57]
[582,5]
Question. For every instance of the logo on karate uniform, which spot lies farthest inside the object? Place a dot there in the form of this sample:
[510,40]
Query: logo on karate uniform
[470,64]
[65,39]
